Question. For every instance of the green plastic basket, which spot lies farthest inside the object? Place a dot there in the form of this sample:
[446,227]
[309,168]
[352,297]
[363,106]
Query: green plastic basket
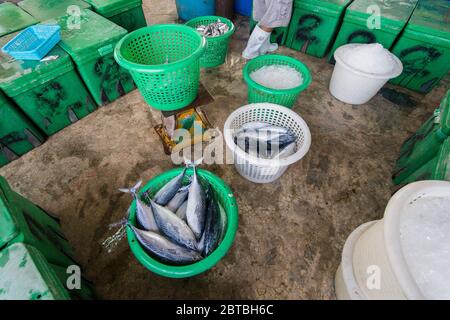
[287,97]
[226,199]
[164,61]
[216,47]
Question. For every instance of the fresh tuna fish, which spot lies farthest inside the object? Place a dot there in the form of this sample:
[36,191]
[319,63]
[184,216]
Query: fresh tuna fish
[285,152]
[166,193]
[178,199]
[253,126]
[181,212]
[163,248]
[144,214]
[212,224]
[173,227]
[196,207]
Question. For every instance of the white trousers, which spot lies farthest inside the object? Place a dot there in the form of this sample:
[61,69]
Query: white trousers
[272,13]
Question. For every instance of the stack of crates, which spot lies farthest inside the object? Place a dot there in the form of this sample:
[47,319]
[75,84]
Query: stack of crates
[370,21]
[424,47]
[314,25]
[43,10]
[126,13]
[49,92]
[12,18]
[17,134]
[425,153]
[90,40]
[34,252]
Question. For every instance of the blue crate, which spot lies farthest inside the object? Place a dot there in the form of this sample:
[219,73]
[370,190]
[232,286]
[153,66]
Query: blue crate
[34,42]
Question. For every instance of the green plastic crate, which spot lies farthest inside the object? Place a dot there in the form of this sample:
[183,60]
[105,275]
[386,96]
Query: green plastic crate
[26,275]
[92,52]
[50,93]
[424,145]
[355,29]
[314,25]
[44,10]
[86,292]
[22,221]
[12,18]
[17,134]
[437,168]
[125,13]
[279,35]
[424,47]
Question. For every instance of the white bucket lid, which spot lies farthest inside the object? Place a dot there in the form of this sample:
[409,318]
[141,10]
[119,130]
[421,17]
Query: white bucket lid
[398,69]
[398,205]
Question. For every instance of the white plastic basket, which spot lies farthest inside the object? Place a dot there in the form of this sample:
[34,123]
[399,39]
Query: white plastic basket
[261,170]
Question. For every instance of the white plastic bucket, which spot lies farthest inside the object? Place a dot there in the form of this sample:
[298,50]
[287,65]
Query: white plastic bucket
[260,170]
[379,246]
[352,86]
[345,284]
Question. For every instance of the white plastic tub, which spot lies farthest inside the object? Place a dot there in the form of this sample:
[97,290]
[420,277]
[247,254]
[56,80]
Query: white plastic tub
[345,284]
[355,87]
[380,246]
[260,170]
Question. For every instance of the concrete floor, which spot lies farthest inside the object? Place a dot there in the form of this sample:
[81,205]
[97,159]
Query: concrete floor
[291,232]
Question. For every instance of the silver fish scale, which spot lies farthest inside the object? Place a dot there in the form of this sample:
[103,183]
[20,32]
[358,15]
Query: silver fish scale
[163,248]
[214,29]
[173,227]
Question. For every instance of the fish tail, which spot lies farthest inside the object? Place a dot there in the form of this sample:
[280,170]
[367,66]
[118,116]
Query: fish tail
[132,190]
[192,164]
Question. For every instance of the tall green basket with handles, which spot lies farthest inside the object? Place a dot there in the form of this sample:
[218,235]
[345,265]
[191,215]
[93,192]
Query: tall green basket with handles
[285,97]
[227,201]
[216,47]
[164,61]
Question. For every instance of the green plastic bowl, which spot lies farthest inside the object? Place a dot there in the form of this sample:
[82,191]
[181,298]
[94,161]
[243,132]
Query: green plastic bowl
[216,47]
[287,97]
[164,61]
[226,199]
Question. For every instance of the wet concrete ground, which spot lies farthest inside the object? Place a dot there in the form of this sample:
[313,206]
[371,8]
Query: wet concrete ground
[291,232]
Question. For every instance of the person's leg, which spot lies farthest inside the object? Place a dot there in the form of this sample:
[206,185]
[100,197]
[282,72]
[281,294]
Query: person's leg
[278,14]
[258,36]
[269,14]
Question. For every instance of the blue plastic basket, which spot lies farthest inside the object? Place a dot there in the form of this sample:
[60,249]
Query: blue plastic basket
[34,42]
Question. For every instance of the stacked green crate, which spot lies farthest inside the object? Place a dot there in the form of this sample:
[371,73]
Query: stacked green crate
[437,168]
[125,13]
[17,134]
[425,144]
[44,10]
[22,221]
[90,41]
[84,292]
[279,35]
[26,275]
[12,18]
[49,92]
[361,22]
[314,25]
[424,47]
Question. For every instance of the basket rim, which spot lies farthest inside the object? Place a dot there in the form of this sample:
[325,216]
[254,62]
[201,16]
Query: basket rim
[157,68]
[307,77]
[172,271]
[391,227]
[226,35]
[254,160]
